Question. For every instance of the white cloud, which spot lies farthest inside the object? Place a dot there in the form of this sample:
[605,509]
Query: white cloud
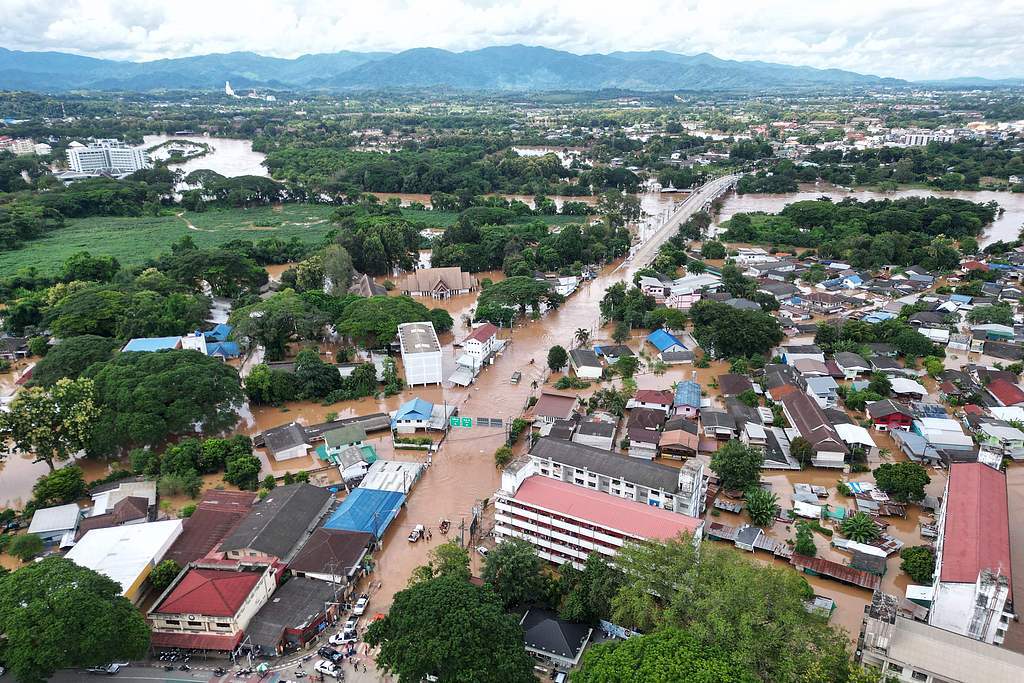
[902,38]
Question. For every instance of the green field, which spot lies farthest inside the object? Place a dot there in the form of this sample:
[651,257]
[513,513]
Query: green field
[134,240]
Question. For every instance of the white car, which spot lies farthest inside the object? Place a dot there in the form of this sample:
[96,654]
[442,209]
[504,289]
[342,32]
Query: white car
[361,604]
[343,638]
[482,551]
[416,533]
[350,624]
[327,668]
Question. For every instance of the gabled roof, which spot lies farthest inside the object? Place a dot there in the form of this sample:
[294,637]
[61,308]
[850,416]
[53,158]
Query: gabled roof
[326,547]
[810,420]
[555,405]
[58,518]
[584,358]
[733,385]
[275,525]
[663,397]
[687,394]
[210,592]
[217,514]
[1006,393]
[483,333]
[544,631]
[886,407]
[344,436]
[415,409]
[662,340]
[152,344]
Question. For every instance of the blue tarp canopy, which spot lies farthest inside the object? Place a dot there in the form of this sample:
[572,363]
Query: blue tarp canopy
[367,510]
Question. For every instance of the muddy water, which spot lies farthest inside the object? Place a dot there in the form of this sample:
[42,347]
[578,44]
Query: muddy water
[230,157]
[424,199]
[274,270]
[1005,227]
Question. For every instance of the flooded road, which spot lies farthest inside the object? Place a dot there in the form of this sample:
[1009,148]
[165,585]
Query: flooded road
[1005,227]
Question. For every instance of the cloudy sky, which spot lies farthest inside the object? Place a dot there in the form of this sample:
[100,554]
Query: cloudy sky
[903,38]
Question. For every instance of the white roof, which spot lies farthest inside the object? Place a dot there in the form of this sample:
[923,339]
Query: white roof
[391,475]
[691,283]
[902,385]
[104,501]
[1003,433]
[1008,412]
[123,553]
[920,593]
[940,335]
[59,518]
[854,434]
[952,656]
[808,510]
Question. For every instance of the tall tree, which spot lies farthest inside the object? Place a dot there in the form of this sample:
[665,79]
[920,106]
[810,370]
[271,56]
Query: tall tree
[71,357]
[52,424]
[449,628]
[557,358]
[513,571]
[276,321]
[55,615]
[904,481]
[737,465]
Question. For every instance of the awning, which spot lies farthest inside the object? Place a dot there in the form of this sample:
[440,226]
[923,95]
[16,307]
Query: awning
[197,641]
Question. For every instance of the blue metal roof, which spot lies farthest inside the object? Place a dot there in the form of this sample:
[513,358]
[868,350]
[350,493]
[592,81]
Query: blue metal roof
[367,510]
[152,344]
[960,298]
[219,332]
[687,394]
[415,409]
[663,340]
[224,349]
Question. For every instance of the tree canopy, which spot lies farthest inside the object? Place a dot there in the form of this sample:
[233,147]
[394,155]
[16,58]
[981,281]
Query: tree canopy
[87,620]
[737,465]
[373,321]
[904,481]
[274,322]
[53,424]
[71,357]
[728,332]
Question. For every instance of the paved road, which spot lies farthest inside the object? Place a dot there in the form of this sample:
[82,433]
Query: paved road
[646,252]
[141,674]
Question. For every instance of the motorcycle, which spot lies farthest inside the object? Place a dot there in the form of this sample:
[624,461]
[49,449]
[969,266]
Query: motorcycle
[219,671]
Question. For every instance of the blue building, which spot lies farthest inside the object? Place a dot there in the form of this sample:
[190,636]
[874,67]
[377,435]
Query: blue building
[664,341]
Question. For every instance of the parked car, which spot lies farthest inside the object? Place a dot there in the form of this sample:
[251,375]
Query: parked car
[329,653]
[327,668]
[416,533]
[107,670]
[350,623]
[344,638]
[481,550]
[361,604]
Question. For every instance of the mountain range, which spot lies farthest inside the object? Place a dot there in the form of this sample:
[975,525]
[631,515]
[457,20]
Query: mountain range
[504,68]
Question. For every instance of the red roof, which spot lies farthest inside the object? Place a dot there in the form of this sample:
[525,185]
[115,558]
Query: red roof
[604,509]
[977,527]
[974,409]
[196,641]
[484,332]
[211,592]
[974,265]
[1007,393]
[554,405]
[663,397]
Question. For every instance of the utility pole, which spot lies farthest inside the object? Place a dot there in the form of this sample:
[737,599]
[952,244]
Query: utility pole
[462,534]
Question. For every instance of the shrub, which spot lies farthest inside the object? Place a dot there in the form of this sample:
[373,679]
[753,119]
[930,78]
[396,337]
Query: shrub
[502,456]
[187,511]
[25,546]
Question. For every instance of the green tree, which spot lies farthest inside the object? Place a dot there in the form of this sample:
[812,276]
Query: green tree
[803,450]
[38,346]
[728,332]
[762,506]
[918,561]
[164,574]
[337,266]
[668,654]
[720,597]
[582,336]
[244,472]
[373,321]
[621,332]
[999,314]
[449,628]
[520,292]
[63,486]
[448,559]
[274,322]
[513,572]
[88,621]
[860,527]
[626,366]
[805,541]
[502,456]
[146,397]
[71,357]
[52,424]
[587,594]
[25,546]
[904,481]
[557,358]
[737,465]
[712,249]
[880,384]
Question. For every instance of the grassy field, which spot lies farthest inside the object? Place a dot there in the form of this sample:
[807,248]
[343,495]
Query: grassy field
[134,240]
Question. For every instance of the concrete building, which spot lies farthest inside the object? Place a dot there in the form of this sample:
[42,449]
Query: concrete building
[973,587]
[208,607]
[910,651]
[437,283]
[670,488]
[57,524]
[278,525]
[421,353]
[107,156]
[565,523]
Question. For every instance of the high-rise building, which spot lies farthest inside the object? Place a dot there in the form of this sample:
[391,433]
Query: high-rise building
[110,156]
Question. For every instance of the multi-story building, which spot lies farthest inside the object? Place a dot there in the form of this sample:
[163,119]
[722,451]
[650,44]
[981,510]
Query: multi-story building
[565,523]
[19,146]
[421,353]
[110,156]
[679,490]
[973,593]
[914,652]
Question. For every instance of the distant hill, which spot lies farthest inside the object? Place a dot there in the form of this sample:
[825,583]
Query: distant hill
[509,68]
[976,82]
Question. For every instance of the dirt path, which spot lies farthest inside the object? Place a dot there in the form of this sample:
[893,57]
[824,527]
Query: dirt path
[188,223]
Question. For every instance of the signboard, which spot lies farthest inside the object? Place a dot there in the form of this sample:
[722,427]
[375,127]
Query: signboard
[456,421]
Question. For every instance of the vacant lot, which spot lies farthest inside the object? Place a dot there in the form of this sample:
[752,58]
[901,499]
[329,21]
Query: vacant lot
[134,240]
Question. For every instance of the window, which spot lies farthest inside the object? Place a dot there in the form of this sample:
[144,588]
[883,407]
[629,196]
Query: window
[221,624]
[171,622]
[195,623]
[894,668]
[918,676]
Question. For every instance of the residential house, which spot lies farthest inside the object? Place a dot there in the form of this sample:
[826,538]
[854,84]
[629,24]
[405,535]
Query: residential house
[1005,393]
[782,291]
[907,389]
[437,283]
[551,407]
[585,364]
[1003,438]
[129,510]
[216,515]
[416,414]
[338,440]
[481,344]
[851,365]
[943,433]
[286,442]
[887,415]
[679,439]
[596,433]
[717,424]
[794,352]
[554,640]
[688,290]
[613,352]
[13,348]
[686,401]
[731,384]
[56,525]
[808,418]
[298,613]
[665,341]
[333,555]
[824,390]
[656,400]
[655,287]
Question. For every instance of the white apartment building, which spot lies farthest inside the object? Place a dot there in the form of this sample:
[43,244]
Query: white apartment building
[565,523]
[19,146]
[679,490]
[110,156]
[421,353]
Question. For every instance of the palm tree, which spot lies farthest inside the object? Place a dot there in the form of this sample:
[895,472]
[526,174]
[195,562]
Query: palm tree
[860,528]
[582,336]
[761,506]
